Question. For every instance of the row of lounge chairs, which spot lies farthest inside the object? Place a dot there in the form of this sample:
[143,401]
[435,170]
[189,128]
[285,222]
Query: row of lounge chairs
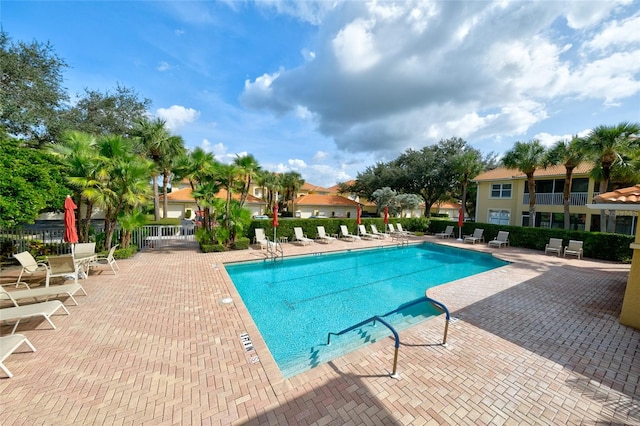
[261,239]
[39,303]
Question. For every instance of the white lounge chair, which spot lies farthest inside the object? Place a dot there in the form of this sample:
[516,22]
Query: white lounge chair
[323,237]
[62,266]
[574,248]
[29,264]
[374,231]
[477,236]
[448,232]
[364,234]
[344,233]
[42,309]
[502,239]
[399,225]
[83,255]
[554,246]
[46,292]
[300,237]
[109,260]
[8,345]
[260,238]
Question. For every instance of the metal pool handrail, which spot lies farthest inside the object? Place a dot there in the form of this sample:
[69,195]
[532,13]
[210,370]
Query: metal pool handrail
[375,318]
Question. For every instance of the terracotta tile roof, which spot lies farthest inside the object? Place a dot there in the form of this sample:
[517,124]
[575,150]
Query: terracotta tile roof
[447,205]
[324,200]
[502,173]
[630,195]
[184,195]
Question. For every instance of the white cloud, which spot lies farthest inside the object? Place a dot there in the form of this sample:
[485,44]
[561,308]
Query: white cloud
[355,46]
[617,34]
[163,66]
[296,164]
[319,156]
[177,116]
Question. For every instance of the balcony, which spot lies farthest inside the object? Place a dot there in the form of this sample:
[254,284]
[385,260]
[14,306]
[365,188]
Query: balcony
[555,199]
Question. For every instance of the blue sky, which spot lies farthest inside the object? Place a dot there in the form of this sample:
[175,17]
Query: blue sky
[327,88]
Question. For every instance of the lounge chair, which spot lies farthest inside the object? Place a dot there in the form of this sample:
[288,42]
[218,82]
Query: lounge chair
[83,255]
[554,246]
[364,234]
[574,248]
[399,225]
[300,237]
[448,232]
[323,237]
[374,231]
[29,264]
[46,292]
[344,233]
[62,266]
[8,345]
[42,309]
[260,238]
[477,236]
[502,239]
[109,260]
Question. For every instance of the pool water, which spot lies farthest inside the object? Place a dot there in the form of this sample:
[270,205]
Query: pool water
[295,303]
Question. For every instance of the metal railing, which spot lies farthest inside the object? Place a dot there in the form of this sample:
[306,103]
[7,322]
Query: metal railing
[557,198]
[380,319]
[274,250]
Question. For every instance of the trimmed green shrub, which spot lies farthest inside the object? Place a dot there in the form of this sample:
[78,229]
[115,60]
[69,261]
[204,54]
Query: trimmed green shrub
[211,248]
[241,243]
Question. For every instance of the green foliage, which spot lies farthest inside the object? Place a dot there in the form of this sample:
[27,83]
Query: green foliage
[597,245]
[162,221]
[124,253]
[242,243]
[211,248]
[31,92]
[30,181]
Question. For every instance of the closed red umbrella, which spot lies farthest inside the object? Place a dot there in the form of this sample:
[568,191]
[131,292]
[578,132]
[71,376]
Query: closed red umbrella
[70,231]
[460,221]
[274,221]
[386,215]
[358,214]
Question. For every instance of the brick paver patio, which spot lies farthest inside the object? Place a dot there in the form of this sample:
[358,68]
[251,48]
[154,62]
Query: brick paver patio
[534,342]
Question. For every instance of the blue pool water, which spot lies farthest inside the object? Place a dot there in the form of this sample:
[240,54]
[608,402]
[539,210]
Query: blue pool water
[295,303]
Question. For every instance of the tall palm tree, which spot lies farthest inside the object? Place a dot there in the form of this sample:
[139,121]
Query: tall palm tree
[608,146]
[227,175]
[569,154]
[468,164]
[249,168]
[271,185]
[162,148]
[527,157]
[291,183]
[78,149]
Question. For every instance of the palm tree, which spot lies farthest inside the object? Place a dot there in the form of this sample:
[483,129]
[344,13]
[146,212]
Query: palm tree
[123,180]
[249,169]
[526,157]
[291,182]
[468,164]
[608,147]
[78,151]
[568,154]
[162,148]
[227,175]
[271,185]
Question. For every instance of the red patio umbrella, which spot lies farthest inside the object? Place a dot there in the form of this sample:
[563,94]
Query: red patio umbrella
[274,221]
[386,215]
[70,231]
[358,220]
[460,221]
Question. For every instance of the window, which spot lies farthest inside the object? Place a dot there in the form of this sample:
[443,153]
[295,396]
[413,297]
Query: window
[580,185]
[501,190]
[499,217]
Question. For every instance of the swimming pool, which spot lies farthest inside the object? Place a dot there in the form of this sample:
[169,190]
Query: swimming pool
[295,303]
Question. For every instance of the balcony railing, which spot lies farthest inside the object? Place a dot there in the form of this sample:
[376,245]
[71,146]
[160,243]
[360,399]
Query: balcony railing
[556,199]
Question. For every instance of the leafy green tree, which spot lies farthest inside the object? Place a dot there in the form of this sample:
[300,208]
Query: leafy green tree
[227,175]
[569,154]
[384,197]
[467,164]
[406,202]
[31,92]
[271,186]
[108,113]
[609,147]
[30,181]
[527,157]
